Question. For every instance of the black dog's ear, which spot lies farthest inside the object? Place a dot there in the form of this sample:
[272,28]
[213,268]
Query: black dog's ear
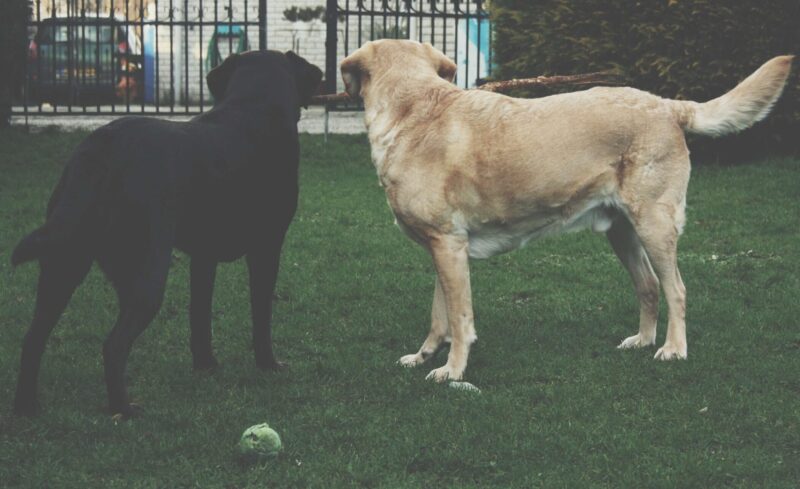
[308,77]
[218,78]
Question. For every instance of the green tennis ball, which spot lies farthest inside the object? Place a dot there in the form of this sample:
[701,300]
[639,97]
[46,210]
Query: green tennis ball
[260,441]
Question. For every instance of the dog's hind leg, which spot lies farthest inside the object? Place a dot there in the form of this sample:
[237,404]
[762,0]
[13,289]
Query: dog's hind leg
[141,293]
[452,265]
[658,226]
[202,287]
[438,334]
[631,253]
[60,274]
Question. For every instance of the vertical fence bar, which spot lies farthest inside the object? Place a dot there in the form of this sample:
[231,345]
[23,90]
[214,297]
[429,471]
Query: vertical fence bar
[331,42]
[156,64]
[172,91]
[456,9]
[140,69]
[200,51]
[38,53]
[53,74]
[71,71]
[126,58]
[359,7]
[82,56]
[262,24]
[385,7]
[444,29]
[230,27]
[112,50]
[479,17]
[433,21]
[186,55]
[98,68]
[246,29]
[467,20]
[346,27]
[372,20]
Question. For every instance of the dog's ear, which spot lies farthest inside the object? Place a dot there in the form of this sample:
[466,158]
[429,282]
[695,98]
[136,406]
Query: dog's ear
[354,72]
[307,76]
[218,78]
[441,63]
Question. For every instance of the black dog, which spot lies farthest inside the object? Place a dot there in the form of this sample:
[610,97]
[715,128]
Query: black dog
[221,186]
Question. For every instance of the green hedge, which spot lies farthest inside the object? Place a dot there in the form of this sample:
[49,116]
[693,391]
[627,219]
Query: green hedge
[13,45]
[683,49]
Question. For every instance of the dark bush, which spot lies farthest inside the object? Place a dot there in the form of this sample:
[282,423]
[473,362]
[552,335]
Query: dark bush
[683,49]
[13,44]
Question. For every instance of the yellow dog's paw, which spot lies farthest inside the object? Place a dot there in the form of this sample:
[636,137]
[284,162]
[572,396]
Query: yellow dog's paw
[671,352]
[412,360]
[442,374]
[636,341]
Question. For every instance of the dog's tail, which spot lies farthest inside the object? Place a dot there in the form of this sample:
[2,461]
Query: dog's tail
[69,205]
[749,102]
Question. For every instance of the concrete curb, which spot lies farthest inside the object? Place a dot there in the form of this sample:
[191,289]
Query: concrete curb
[312,121]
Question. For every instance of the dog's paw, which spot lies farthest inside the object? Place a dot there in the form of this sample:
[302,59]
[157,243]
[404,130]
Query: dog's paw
[442,374]
[671,352]
[636,341]
[412,360]
[127,413]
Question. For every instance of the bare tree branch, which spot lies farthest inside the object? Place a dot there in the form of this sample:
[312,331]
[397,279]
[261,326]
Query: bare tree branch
[597,78]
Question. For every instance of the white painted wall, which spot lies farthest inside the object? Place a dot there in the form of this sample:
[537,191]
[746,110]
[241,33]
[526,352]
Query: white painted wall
[189,46]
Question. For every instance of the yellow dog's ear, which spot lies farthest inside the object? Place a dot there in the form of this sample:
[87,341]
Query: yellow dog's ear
[354,71]
[441,63]
[218,78]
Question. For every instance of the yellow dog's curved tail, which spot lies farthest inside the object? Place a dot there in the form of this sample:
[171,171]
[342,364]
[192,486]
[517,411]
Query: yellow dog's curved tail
[749,102]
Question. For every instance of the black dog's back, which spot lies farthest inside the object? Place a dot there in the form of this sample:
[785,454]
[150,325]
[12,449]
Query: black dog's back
[202,172]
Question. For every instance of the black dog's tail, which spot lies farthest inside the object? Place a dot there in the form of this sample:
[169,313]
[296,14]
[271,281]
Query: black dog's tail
[69,205]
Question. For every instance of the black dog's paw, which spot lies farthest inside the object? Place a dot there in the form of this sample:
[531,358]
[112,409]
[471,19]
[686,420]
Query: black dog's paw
[26,407]
[271,364]
[126,413]
[204,364]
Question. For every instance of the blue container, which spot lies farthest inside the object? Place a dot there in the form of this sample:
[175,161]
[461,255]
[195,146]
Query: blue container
[149,50]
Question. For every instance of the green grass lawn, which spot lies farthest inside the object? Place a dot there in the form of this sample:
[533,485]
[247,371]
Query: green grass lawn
[560,406]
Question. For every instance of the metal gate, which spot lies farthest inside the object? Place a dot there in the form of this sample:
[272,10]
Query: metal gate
[461,29]
[105,57]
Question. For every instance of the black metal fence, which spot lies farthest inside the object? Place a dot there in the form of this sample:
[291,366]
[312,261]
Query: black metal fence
[461,29]
[102,57]
[106,57]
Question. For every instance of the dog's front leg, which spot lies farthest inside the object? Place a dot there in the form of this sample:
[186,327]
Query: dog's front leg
[202,272]
[438,333]
[451,259]
[263,266]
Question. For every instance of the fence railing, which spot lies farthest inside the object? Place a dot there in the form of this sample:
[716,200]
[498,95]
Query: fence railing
[107,57]
[461,29]
[101,57]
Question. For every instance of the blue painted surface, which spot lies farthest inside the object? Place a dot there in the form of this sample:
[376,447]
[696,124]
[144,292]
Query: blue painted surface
[473,57]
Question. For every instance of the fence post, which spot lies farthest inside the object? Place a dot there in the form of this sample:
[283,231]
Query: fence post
[262,24]
[331,41]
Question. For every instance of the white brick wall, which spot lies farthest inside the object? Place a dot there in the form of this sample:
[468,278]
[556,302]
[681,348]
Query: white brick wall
[305,38]
[189,45]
